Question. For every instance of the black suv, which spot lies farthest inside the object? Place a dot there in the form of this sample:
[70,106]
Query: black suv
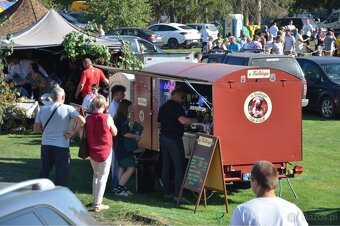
[284,63]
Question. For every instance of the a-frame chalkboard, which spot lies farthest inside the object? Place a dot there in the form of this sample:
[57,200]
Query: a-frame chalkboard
[205,169]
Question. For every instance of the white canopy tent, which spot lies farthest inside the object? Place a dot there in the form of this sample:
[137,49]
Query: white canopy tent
[49,31]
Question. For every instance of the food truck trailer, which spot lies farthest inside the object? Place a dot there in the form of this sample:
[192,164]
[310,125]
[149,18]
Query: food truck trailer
[256,112]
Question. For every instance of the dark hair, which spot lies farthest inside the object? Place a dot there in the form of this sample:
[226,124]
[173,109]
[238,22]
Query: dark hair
[123,109]
[94,85]
[178,90]
[265,174]
[35,67]
[116,89]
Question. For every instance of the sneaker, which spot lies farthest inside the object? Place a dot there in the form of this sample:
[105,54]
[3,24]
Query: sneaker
[115,189]
[122,193]
[127,191]
[100,207]
[182,201]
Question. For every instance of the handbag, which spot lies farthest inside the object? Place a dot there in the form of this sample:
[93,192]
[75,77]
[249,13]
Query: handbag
[83,152]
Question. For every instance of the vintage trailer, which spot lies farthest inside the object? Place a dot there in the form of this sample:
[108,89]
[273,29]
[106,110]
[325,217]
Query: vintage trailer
[256,112]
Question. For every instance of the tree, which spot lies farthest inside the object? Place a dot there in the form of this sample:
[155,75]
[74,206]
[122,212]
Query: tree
[254,10]
[120,13]
[78,46]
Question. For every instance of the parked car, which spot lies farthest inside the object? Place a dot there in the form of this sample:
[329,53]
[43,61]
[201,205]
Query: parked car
[212,30]
[140,32]
[175,35]
[77,18]
[137,45]
[40,202]
[284,63]
[323,84]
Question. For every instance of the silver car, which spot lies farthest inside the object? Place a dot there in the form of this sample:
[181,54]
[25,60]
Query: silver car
[40,202]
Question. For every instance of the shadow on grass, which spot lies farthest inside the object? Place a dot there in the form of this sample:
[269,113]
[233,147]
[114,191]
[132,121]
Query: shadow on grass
[315,116]
[323,216]
[21,169]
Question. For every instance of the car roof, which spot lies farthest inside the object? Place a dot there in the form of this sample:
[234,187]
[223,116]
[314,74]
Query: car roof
[257,55]
[170,24]
[125,37]
[321,59]
[137,28]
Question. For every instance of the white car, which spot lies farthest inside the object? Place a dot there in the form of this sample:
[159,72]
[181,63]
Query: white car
[212,30]
[175,34]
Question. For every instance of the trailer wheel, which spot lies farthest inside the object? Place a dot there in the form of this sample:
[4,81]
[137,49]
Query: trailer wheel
[172,43]
[328,108]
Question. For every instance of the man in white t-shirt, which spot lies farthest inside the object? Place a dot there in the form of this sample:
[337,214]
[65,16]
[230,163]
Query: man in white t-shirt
[290,26]
[117,95]
[307,31]
[266,208]
[273,30]
[289,45]
[89,97]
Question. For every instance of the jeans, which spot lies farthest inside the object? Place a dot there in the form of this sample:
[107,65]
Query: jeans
[58,157]
[173,157]
[101,171]
[114,170]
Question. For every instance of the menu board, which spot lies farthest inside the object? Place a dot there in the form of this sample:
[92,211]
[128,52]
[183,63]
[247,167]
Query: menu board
[199,162]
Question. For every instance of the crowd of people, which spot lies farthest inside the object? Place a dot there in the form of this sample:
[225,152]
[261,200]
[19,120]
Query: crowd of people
[106,128]
[285,40]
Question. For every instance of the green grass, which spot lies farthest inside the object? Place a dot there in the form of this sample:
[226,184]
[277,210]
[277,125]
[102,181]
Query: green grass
[318,187]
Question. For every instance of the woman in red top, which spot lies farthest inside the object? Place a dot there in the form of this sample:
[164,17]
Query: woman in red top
[99,131]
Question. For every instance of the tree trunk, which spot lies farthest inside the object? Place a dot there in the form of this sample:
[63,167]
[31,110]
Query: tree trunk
[259,9]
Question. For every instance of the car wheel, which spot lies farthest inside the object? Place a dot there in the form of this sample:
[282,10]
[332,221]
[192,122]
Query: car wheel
[172,43]
[328,108]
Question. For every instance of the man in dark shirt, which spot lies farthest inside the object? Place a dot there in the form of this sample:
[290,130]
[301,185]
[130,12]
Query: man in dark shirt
[171,119]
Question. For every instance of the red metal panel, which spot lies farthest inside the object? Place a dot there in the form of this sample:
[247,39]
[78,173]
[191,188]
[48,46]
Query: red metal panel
[278,137]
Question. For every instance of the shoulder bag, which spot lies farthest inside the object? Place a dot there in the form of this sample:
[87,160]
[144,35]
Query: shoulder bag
[83,152]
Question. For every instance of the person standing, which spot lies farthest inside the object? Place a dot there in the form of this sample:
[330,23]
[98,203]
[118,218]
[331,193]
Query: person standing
[273,30]
[329,44]
[319,39]
[278,46]
[117,94]
[90,75]
[289,44]
[99,131]
[299,42]
[205,38]
[89,97]
[126,158]
[54,120]
[171,119]
[307,31]
[290,26]
[266,208]
[101,31]
[233,45]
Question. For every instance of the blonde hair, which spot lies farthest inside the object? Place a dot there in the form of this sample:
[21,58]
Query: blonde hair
[98,102]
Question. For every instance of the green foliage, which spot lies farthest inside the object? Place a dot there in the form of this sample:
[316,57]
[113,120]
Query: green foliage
[7,91]
[51,4]
[120,13]
[78,46]
[128,59]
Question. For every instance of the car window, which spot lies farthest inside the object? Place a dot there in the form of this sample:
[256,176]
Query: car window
[129,32]
[25,218]
[212,27]
[51,217]
[285,64]
[149,48]
[185,27]
[154,28]
[166,28]
[117,32]
[332,71]
[236,60]
[310,70]
[133,45]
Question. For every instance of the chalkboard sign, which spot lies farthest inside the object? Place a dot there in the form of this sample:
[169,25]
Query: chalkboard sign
[205,169]
[199,162]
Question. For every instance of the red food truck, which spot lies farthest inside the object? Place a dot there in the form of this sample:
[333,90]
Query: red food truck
[256,112]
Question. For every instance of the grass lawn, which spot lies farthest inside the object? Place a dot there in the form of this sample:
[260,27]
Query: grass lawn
[318,187]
